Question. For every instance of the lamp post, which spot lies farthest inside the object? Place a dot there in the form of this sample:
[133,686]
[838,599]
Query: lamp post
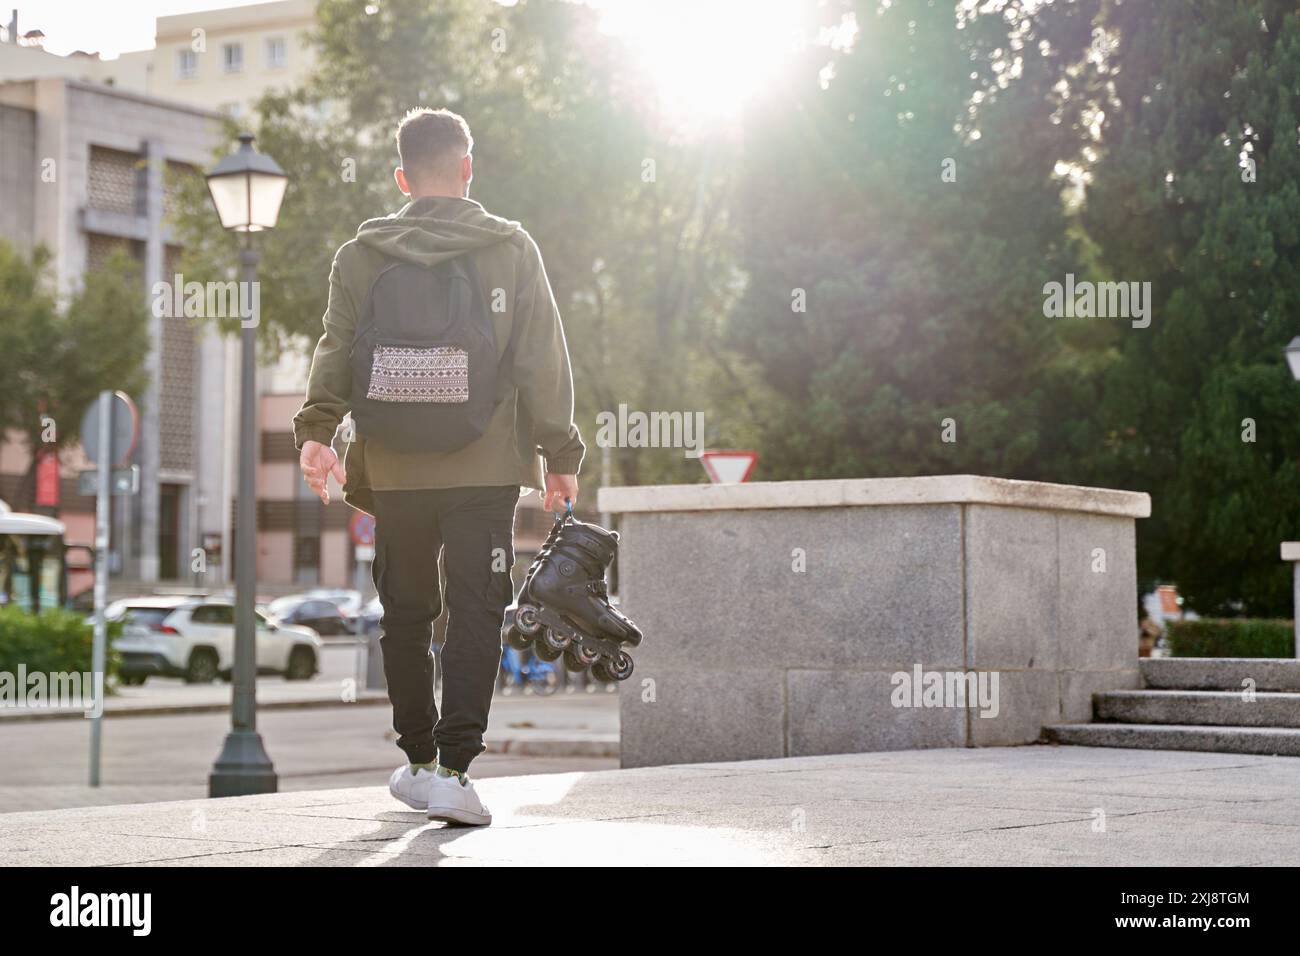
[246,187]
[1293,357]
[1291,549]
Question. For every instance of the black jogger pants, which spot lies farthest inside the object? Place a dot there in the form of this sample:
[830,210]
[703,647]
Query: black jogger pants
[473,529]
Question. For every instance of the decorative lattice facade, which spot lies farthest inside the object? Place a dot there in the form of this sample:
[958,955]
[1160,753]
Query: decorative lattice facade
[174,180]
[116,181]
[100,248]
[176,390]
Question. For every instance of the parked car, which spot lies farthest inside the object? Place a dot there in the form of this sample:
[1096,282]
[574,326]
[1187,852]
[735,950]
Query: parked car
[144,609]
[195,640]
[347,600]
[321,615]
[371,614]
[142,614]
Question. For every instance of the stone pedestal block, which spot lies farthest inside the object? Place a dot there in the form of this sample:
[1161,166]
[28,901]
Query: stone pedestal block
[814,617]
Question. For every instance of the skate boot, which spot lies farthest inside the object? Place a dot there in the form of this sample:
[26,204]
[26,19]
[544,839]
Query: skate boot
[564,607]
[515,637]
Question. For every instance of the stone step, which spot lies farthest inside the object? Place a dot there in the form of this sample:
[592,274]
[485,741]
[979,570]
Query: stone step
[1199,707]
[1220,673]
[1272,741]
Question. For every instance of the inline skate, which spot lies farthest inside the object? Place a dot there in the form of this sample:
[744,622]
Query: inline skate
[563,609]
[515,637]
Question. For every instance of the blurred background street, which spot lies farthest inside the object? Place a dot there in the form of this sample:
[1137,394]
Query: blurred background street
[168,757]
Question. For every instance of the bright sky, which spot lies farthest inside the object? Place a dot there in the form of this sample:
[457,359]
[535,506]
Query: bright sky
[706,55]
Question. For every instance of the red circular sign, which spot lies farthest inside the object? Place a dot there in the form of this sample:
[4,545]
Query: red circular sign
[362,529]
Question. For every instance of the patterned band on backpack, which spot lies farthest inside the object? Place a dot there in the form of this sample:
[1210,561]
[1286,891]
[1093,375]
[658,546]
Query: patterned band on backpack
[417,374]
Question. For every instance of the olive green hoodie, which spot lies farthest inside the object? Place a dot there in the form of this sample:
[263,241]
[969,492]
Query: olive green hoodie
[533,419]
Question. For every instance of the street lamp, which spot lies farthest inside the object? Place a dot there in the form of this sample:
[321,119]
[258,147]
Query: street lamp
[1293,357]
[246,188]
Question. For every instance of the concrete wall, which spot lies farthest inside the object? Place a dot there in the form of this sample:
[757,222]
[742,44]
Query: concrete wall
[777,614]
[17,168]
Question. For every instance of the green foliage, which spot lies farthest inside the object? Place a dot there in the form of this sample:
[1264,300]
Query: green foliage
[1232,637]
[55,641]
[1194,89]
[923,296]
[55,360]
[644,272]
[1093,137]
[27,307]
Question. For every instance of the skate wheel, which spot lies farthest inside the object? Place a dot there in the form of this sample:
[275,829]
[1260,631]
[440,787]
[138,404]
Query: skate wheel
[620,668]
[584,654]
[554,639]
[526,620]
[545,652]
[573,663]
[517,639]
[600,672]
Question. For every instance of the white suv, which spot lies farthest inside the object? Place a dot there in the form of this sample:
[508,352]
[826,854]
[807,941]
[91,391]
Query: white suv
[195,639]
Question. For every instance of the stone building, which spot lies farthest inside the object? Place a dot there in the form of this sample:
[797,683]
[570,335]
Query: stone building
[85,166]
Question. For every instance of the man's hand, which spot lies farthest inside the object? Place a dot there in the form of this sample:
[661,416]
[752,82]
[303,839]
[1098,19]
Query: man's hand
[559,487]
[318,462]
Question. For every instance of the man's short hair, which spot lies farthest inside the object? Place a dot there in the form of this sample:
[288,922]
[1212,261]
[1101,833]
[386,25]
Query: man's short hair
[431,144]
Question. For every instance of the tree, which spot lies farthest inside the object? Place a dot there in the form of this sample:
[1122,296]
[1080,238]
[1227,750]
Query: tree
[54,361]
[903,210]
[642,270]
[1195,191]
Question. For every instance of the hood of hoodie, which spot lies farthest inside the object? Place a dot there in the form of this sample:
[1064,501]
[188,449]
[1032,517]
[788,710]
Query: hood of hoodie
[433,229]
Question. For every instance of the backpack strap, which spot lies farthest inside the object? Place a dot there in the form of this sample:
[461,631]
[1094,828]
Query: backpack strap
[507,357]
[504,363]
[367,320]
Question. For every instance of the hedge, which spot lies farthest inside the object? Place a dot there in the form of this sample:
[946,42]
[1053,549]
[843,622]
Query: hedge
[55,641]
[1232,637]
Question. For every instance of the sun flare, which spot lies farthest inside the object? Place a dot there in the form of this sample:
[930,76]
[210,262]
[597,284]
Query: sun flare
[706,58]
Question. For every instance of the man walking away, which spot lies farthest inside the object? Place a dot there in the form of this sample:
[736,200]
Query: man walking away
[443,341]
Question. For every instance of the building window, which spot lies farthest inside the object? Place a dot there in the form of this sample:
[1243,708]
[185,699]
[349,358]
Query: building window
[306,561]
[99,249]
[277,53]
[187,64]
[308,523]
[232,57]
[175,177]
[169,531]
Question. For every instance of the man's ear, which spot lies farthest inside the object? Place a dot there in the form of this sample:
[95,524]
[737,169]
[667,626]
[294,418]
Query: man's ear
[400,175]
[467,169]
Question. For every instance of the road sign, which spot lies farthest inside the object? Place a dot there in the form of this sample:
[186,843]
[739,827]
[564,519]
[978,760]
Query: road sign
[125,428]
[727,467]
[362,528]
[47,478]
[125,481]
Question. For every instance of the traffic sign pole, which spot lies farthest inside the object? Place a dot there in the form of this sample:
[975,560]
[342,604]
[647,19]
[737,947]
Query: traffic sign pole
[361,528]
[102,499]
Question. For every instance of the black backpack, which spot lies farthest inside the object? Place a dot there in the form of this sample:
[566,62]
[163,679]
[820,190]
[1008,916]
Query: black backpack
[424,358]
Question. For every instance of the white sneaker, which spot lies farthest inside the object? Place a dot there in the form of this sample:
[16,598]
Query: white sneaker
[454,802]
[411,788]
